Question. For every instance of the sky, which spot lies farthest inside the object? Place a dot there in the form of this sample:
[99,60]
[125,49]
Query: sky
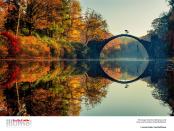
[135,16]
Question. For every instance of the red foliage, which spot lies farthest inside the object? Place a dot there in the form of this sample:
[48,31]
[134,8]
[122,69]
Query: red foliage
[13,44]
[12,77]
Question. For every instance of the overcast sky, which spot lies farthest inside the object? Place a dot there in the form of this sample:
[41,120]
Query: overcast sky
[133,15]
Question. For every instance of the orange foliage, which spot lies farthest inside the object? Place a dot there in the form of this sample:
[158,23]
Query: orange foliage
[114,73]
[43,13]
[30,72]
[33,47]
[3,51]
[76,22]
[3,13]
[3,68]
[22,72]
[13,43]
[114,44]
[4,9]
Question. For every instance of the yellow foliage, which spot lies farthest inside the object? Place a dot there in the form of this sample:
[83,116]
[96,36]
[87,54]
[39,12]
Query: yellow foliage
[33,47]
[3,51]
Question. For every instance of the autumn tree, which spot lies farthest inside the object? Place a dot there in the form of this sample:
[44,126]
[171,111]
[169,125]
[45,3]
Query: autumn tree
[95,26]
[50,17]
[12,17]
[65,21]
[164,27]
[58,19]
[3,13]
[160,26]
[76,22]
[36,14]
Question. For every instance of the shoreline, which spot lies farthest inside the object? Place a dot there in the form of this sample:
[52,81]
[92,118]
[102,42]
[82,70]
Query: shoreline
[61,59]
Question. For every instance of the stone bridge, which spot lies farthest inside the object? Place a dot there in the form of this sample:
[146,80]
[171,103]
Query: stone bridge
[155,50]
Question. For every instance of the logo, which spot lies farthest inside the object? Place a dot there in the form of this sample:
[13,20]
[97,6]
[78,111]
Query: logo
[18,123]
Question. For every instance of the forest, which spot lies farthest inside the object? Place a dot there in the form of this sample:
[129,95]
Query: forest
[163,27]
[47,28]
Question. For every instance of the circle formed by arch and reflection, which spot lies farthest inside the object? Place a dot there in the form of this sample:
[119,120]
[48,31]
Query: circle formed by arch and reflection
[124,58]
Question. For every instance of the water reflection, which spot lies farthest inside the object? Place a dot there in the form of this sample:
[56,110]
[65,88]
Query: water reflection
[62,88]
[124,70]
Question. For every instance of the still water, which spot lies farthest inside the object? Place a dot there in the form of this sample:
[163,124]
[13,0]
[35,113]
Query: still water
[86,88]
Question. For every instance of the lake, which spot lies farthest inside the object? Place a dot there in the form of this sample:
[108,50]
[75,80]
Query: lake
[86,88]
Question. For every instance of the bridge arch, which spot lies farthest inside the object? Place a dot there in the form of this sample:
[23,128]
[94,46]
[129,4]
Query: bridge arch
[96,47]
[143,42]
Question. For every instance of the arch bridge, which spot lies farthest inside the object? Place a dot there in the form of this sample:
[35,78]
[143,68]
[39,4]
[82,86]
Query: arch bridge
[155,50]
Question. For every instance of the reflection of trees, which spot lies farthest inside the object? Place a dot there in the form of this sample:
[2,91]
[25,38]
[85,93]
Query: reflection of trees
[161,92]
[11,75]
[3,70]
[95,90]
[170,81]
[13,72]
[115,73]
[3,104]
[124,70]
[164,87]
[57,90]
[43,102]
